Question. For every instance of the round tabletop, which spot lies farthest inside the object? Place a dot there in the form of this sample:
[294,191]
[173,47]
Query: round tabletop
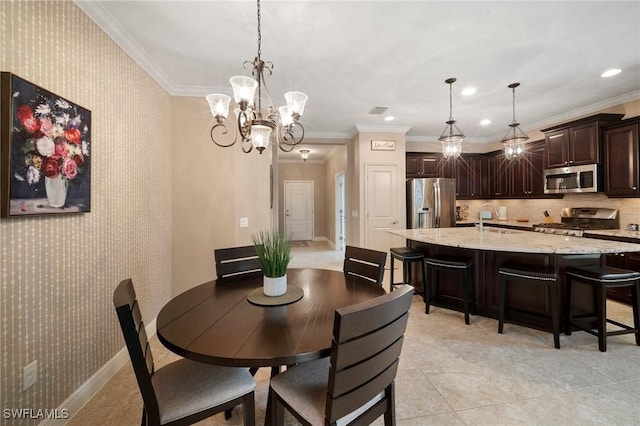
[215,323]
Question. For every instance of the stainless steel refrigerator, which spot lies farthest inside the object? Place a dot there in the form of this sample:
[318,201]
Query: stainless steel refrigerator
[431,203]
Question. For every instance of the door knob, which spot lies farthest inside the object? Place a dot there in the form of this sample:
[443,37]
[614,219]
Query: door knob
[395,222]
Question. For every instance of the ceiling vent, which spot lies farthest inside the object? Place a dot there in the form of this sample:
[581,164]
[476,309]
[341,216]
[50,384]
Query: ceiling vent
[378,110]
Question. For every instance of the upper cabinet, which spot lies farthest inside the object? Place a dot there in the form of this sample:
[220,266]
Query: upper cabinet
[620,156]
[422,165]
[527,178]
[575,143]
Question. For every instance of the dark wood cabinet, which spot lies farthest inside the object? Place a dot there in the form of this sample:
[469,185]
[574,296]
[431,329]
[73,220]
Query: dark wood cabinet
[620,159]
[498,176]
[422,165]
[526,173]
[577,142]
[469,177]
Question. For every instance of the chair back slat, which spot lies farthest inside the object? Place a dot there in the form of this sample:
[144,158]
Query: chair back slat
[236,262]
[135,337]
[367,341]
[365,263]
[142,336]
[358,350]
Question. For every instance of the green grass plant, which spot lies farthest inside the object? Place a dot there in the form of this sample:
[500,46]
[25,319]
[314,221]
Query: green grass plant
[274,252]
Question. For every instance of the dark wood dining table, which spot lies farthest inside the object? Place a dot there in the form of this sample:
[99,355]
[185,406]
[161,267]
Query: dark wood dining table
[215,323]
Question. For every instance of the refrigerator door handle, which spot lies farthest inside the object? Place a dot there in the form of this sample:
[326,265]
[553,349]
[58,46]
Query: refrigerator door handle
[436,218]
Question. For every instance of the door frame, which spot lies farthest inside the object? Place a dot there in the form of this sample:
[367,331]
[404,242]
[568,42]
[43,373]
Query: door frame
[340,200]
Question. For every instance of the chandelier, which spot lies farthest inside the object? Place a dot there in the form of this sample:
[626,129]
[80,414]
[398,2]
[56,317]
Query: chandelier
[514,139]
[452,136]
[304,154]
[254,125]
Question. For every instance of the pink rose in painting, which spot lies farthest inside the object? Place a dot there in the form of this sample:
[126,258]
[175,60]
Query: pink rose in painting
[72,135]
[69,168]
[61,149]
[46,126]
[50,167]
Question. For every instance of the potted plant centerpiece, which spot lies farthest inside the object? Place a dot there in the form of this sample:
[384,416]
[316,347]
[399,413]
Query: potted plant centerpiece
[274,253]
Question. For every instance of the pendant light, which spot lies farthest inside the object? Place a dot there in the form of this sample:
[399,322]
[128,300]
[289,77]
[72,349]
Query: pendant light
[515,138]
[452,136]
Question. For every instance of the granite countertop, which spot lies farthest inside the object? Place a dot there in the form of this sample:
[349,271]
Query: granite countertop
[500,239]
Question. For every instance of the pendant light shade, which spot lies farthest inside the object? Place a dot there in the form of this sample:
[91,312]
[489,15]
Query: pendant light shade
[451,138]
[515,138]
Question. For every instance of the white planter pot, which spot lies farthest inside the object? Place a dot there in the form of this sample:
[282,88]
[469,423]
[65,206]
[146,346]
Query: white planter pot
[275,286]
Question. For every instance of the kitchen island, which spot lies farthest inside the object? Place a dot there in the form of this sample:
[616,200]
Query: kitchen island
[490,248]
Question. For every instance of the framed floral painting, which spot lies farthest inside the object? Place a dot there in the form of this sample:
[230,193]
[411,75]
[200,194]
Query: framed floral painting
[45,151]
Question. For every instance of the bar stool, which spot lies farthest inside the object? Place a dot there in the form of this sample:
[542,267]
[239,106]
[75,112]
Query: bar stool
[601,278]
[407,256]
[450,264]
[515,273]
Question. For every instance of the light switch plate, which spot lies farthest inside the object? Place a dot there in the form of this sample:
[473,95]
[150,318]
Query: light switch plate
[29,375]
[244,222]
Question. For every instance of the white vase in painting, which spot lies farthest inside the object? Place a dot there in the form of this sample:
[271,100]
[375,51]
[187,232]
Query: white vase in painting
[275,286]
[56,188]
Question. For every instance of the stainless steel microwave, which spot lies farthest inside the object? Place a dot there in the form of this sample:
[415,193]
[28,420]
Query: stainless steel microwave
[567,180]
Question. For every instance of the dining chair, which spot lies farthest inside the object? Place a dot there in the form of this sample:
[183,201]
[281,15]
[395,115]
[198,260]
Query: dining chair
[355,385]
[236,262]
[365,263]
[183,392]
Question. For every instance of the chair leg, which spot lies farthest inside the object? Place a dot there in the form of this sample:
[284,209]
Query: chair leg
[501,302]
[248,409]
[553,295]
[601,309]
[568,317]
[391,282]
[276,412]
[635,291]
[228,413]
[143,422]
[390,412]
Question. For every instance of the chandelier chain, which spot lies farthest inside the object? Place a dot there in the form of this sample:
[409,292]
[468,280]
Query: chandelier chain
[259,32]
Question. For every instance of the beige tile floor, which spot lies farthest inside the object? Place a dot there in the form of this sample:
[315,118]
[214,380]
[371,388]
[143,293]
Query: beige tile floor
[452,374]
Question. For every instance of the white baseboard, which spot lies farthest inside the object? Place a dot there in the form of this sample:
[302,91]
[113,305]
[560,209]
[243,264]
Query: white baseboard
[91,387]
[320,239]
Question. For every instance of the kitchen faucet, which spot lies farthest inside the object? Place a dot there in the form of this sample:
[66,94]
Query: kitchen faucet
[482,208]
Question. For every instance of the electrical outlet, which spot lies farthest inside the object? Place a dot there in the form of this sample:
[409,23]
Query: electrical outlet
[29,375]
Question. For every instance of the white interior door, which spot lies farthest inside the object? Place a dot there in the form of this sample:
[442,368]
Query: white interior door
[341,219]
[383,203]
[298,209]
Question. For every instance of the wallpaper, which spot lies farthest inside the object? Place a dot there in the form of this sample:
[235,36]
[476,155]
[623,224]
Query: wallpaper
[57,274]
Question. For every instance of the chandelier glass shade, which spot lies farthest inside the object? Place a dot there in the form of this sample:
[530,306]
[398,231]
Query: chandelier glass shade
[514,140]
[304,154]
[255,125]
[452,137]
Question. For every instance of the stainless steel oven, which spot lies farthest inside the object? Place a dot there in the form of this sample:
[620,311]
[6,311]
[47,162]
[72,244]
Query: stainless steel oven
[566,180]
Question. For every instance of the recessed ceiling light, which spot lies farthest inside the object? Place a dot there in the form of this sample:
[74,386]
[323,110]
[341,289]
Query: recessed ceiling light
[468,91]
[389,118]
[611,72]
[485,122]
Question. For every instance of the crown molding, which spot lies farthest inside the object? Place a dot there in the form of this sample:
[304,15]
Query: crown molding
[102,18]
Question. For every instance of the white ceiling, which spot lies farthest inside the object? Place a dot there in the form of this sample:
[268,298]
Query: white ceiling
[351,56]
